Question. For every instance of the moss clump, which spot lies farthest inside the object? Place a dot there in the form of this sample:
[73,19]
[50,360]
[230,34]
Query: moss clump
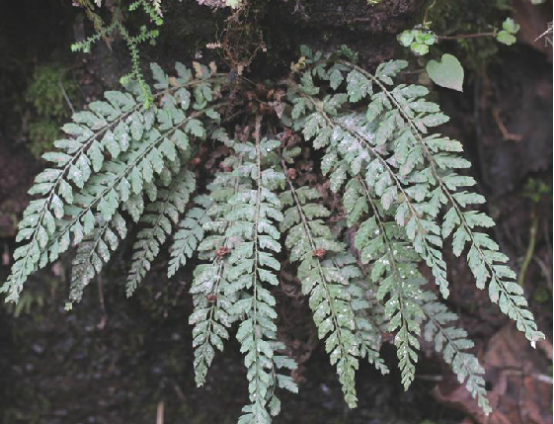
[46,96]
[42,134]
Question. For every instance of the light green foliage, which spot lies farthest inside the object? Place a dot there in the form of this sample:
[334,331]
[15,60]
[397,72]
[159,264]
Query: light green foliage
[418,40]
[370,320]
[45,91]
[394,269]
[154,12]
[160,217]
[536,190]
[447,72]
[109,159]
[212,292]
[189,234]
[507,34]
[153,8]
[404,189]
[95,251]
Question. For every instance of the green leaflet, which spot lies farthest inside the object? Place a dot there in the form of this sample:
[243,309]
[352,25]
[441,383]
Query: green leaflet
[369,314]
[95,251]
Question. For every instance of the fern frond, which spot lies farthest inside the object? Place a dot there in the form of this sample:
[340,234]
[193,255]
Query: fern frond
[77,157]
[114,150]
[453,343]
[94,252]
[213,294]
[255,213]
[189,234]
[443,157]
[309,241]
[403,191]
[161,215]
[370,321]
[369,314]
[394,269]
[361,149]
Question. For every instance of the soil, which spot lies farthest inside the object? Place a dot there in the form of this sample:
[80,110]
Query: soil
[114,360]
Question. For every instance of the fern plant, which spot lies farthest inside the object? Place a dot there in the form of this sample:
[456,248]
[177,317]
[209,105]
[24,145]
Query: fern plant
[402,189]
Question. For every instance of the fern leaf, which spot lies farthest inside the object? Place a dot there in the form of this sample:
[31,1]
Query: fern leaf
[94,252]
[394,269]
[189,234]
[309,240]
[363,151]
[112,151]
[369,314]
[444,159]
[252,266]
[77,156]
[370,321]
[160,217]
[213,294]
[453,343]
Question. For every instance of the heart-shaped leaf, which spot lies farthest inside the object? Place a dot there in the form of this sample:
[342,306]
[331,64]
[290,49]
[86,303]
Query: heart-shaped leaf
[447,73]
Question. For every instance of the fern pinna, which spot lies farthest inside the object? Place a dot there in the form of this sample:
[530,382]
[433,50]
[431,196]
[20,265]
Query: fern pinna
[402,189]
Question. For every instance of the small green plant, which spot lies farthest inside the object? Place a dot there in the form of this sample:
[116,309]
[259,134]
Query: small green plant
[133,42]
[403,189]
[418,40]
[507,34]
[49,94]
[536,190]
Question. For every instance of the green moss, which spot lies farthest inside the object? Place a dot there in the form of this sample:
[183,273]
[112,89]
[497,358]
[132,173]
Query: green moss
[45,94]
[42,134]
